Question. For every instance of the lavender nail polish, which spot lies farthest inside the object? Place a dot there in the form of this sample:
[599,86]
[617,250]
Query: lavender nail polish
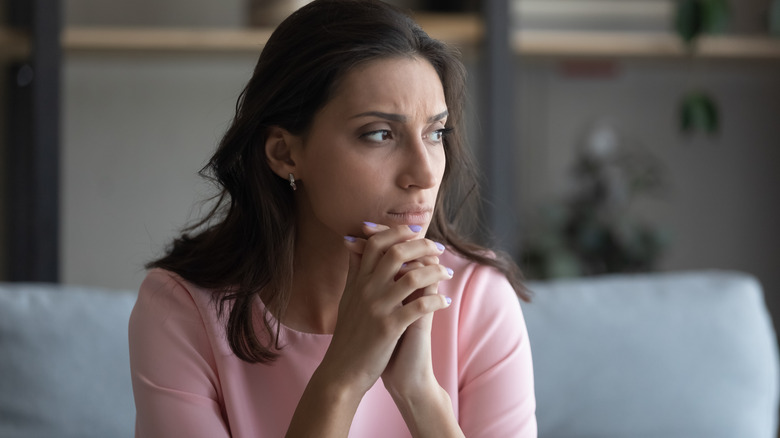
[349,238]
[415,228]
[450,272]
[439,245]
[449,300]
[369,224]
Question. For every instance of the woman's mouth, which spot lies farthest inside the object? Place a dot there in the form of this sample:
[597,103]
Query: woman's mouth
[412,216]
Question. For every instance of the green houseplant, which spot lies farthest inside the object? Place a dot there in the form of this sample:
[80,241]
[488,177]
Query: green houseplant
[698,110]
[592,230]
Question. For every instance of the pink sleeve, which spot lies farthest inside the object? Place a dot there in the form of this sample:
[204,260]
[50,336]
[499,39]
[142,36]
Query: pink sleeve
[172,364]
[496,386]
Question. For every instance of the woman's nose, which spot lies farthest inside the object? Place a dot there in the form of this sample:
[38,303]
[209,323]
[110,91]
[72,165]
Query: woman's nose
[418,165]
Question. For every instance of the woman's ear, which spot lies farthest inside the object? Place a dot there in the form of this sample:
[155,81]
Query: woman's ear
[278,151]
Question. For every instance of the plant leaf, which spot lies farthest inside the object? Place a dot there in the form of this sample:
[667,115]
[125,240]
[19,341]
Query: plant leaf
[689,20]
[716,16]
[774,18]
[699,112]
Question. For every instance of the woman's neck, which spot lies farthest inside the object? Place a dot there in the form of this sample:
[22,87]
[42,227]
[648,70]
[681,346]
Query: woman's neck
[319,274]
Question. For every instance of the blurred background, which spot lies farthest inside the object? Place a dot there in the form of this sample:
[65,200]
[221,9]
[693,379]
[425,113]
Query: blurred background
[615,135]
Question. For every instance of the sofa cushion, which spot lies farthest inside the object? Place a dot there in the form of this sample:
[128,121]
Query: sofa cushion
[663,355]
[64,365]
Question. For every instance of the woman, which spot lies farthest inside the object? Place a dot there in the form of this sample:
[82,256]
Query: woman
[328,292]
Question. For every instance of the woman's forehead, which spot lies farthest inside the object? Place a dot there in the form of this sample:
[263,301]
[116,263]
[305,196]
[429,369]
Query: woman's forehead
[398,85]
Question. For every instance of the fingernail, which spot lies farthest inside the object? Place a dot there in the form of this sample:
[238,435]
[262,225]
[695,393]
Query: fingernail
[369,224]
[449,300]
[415,228]
[450,272]
[349,238]
[439,245]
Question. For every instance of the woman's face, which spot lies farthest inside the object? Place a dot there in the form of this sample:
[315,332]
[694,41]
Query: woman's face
[374,151]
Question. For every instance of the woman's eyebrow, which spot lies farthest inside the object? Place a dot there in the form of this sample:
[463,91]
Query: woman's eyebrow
[399,117]
[439,116]
[387,116]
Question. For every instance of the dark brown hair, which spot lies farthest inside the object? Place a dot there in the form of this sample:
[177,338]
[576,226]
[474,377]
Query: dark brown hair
[243,248]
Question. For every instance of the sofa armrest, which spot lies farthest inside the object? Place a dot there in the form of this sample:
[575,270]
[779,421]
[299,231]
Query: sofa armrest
[64,362]
[661,355]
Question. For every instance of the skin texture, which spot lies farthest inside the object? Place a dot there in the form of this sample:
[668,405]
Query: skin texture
[369,168]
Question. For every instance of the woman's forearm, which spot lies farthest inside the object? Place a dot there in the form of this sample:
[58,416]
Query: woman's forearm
[326,409]
[429,414]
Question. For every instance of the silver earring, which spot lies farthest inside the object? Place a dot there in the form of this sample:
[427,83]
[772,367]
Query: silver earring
[291,177]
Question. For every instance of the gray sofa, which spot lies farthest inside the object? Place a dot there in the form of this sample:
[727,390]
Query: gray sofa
[663,355]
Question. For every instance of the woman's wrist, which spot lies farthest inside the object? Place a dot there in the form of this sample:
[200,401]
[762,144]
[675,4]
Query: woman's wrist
[411,389]
[428,412]
[336,387]
[340,399]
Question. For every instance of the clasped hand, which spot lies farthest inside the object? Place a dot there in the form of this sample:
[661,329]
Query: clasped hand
[386,310]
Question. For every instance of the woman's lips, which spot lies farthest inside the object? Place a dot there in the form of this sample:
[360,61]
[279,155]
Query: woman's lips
[411,216]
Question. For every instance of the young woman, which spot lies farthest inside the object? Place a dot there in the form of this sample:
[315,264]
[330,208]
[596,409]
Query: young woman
[328,293]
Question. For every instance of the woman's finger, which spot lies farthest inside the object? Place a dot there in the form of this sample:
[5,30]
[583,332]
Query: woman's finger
[371,228]
[416,279]
[379,243]
[406,267]
[354,267]
[355,245]
[416,309]
[358,244]
[390,263]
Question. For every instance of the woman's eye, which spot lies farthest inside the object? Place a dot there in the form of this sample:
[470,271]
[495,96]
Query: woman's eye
[377,136]
[437,135]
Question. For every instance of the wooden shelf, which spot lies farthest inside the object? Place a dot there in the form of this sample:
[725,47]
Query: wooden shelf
[14,44]
[589,44]
[458,29]
[124,39]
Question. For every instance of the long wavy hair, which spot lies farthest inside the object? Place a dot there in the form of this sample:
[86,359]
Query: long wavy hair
[242,249]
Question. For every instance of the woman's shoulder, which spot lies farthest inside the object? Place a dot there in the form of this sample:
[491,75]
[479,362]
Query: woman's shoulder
[164,293]
[158,279]
[163,283]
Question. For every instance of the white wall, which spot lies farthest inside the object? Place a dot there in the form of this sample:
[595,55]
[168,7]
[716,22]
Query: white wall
[155,12]
[136,131]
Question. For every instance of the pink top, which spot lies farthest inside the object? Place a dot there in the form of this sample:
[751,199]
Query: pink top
[188,383]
